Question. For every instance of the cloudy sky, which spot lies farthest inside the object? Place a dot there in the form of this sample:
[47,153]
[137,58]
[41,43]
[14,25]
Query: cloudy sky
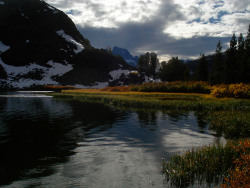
[183,28]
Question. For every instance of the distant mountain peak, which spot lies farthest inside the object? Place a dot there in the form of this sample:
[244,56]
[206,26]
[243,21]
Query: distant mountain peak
[125,54]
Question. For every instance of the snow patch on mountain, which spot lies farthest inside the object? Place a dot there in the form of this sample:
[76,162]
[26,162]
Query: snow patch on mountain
[58,69]
[3,47]
[50,7]
[116,74]
[131,62]
[17,79]
[79,47]
[97,85]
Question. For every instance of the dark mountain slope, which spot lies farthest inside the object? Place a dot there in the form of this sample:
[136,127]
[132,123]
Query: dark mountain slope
[29,27]
[95,68]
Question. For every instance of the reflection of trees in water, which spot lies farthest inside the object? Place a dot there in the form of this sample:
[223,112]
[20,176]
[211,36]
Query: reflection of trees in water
[201,120]
[33,144]
[176,115]
[147,118]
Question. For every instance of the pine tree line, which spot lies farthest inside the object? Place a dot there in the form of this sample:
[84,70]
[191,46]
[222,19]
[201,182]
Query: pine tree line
[235,68]
[231,66]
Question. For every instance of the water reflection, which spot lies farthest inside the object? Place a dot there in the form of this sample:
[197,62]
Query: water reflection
[38,133]
[201,116]
[147,118]
[176,115]
[48,142]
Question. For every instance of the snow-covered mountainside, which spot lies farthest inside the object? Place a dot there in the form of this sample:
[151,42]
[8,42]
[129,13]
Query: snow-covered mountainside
[125,54]
[40,45]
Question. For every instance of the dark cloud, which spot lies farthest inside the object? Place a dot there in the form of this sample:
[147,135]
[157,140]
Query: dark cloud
[133,34]
[149,36]
[144,37]
[195,45]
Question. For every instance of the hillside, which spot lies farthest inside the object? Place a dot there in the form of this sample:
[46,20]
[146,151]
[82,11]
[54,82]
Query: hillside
[40,44]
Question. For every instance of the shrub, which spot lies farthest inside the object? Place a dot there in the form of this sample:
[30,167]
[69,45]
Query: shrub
[177,87]
[240,175]
[233,90]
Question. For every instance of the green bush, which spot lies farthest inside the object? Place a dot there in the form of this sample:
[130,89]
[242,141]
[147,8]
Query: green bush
[176,87]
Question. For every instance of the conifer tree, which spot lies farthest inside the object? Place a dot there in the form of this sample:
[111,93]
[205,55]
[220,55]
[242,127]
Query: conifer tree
[202,69]
[247,57]
[241,43]
[240,61]
[143,63]
[230,63]
[148,63]
[174,70]
[153,63]
[217,75]
[247,41]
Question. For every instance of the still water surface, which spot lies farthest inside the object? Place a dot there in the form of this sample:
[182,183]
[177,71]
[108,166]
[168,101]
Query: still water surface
[46,142]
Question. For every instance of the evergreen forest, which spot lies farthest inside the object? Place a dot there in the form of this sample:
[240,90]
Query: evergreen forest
[230,66]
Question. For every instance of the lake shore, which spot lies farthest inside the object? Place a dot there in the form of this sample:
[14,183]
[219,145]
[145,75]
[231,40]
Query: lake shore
[228,117]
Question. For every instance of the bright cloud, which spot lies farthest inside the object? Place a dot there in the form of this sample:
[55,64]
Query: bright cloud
[214,18]
[218,18]
[107,13]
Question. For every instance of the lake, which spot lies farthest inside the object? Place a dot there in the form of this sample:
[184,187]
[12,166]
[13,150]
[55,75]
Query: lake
[46,142]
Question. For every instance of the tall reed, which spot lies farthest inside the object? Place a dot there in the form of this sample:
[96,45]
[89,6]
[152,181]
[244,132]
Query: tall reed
[208,164]
[232,124]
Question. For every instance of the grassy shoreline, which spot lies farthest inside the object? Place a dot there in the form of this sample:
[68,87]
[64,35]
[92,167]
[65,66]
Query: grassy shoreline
[156,100]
